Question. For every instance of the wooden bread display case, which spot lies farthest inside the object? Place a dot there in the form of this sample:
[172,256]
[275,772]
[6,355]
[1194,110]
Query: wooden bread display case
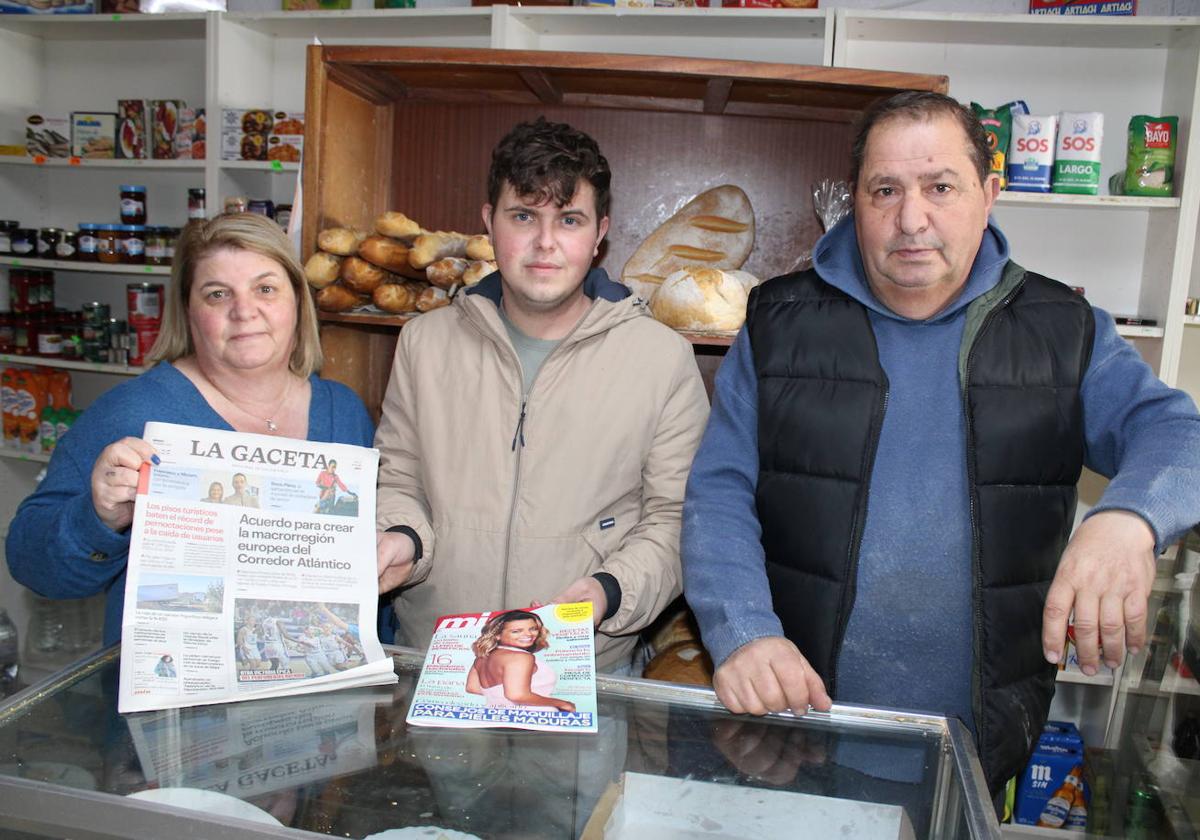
[412,130]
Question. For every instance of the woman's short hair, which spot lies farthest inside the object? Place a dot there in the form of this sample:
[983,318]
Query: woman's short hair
[241,232]
[490,637]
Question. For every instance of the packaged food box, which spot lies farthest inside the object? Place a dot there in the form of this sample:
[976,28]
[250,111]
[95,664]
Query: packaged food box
[185,134]
[199,135]
[48,136]
[47,7]
[287,122]
[164,124]
[93,135]
[242,145]
[1053,782]
[285,148]
[248,120]
[132,129]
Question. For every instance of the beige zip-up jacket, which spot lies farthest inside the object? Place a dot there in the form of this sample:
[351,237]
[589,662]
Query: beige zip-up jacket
[512,510]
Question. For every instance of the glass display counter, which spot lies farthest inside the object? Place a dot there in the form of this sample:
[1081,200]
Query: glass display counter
[668,762]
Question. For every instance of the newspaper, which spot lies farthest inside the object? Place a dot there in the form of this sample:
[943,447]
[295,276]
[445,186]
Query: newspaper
[251,571]
[524,668]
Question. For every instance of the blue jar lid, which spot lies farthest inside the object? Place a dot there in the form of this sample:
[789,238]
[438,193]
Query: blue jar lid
[108,227]
[132,188]
[88,226]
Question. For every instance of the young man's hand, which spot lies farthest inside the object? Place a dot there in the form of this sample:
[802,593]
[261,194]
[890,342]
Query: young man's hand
[394,553]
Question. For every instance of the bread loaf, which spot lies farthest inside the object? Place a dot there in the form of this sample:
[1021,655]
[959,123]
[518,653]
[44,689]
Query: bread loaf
[395,297]
[322,269]
[362,277]
[428,248]
[384,252]
[447,273]
[341,241]
[398,226]
[432,298]
[703,299]
[476,271]
[338,298]
[480,248]
[683,662]
[715,229]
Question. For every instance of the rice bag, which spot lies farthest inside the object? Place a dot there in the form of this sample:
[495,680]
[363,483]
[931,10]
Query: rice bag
[1150,157]
[1031,153]
[1077,153]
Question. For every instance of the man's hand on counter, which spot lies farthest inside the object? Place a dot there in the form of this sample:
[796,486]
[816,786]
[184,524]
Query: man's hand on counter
[394,554]
[769,675]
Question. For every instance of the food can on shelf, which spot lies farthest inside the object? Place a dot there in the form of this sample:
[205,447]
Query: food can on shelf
[235,204]
[18,291]
[261,207]
[145,302]
[196,203]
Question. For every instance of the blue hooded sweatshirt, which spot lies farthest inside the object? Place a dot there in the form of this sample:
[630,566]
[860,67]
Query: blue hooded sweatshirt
[908,643]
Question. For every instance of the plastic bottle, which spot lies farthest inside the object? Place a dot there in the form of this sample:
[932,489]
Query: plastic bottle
[9,652]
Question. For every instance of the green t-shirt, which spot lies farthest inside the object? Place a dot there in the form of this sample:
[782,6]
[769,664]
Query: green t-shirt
[531,351]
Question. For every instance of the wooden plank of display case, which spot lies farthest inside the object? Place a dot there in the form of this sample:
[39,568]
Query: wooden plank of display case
[360,356]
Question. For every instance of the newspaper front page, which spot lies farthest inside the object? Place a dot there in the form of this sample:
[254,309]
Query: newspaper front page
[525,668]
[251,570]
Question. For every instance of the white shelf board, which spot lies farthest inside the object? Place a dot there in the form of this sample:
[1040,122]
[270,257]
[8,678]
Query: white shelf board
[672,22]
[368,23]
[1104,677]
[108,27]
[89,367]
[1014,198]
[1191,320]
[100,163]
[1075,31]
[1129,331]
[86,267]
[261,165]
[23,456]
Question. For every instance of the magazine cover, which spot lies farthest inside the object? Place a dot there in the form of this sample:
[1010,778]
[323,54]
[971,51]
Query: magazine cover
[251,570]
[523,668]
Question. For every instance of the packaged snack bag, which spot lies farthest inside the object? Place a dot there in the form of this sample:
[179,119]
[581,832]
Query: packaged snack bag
[1031,153]
[8,399]
[1150,157]
[997,124]
[1077,153]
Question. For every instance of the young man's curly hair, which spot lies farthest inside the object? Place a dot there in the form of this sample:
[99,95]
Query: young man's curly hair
[544,161]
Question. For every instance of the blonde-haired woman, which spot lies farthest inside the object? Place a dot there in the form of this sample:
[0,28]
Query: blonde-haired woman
[505,671]
[237,351]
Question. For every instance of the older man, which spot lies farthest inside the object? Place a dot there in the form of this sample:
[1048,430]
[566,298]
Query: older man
[879,508]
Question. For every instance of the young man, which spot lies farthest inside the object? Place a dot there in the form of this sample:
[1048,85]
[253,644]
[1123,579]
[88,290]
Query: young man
[536,436]
[880,509]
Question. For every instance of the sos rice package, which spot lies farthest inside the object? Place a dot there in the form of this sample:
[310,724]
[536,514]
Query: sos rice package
[1150,157]
[1031,153]
[997,125]
[1077,153]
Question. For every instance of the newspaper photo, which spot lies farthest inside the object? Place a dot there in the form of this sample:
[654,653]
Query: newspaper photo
[523,668]
[251,570]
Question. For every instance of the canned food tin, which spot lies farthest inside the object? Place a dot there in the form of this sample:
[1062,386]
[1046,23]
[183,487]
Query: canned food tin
[145,301]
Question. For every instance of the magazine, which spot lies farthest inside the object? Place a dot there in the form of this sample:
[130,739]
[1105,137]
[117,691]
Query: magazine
[526,668]
[251,570]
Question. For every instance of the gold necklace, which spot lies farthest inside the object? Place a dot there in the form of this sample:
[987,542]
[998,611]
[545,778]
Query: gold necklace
[272,426]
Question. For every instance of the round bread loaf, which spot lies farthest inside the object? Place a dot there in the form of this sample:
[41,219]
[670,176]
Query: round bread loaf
[703,299]
[341,241]
[322,269]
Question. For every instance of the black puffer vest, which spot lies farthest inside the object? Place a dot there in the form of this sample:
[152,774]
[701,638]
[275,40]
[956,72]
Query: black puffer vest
[822,395]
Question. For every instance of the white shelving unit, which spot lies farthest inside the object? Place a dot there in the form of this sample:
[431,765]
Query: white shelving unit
[1133,255]
[69,364]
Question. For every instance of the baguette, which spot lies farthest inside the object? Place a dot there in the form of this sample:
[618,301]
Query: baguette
[716,229]
[362,277]
[395,297]
[322,269]
[432,298]
[446,273]
[480,248]
[341,241]
[476,271]
[428,248]
[384,252]
[338,298]
[398,226]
